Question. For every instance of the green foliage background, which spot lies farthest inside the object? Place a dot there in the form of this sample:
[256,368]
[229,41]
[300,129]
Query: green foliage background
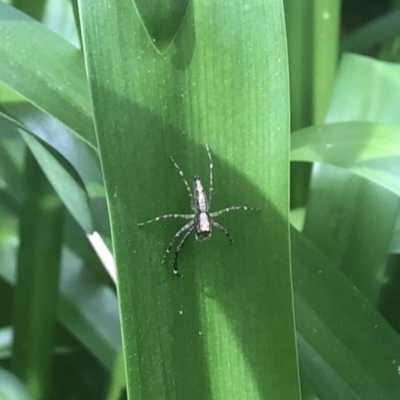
[94,99]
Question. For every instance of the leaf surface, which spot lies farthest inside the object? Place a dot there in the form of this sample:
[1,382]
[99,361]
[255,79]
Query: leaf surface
[225,330]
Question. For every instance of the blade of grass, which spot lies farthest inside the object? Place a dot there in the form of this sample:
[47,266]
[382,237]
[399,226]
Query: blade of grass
[23,115]
[209,334]
[325,54]
[373,33]
[59,17]
[355,235]
[299,33]
[364,148]
[11,159]
[347,347]
[117,381]
[36,292]
[312,29]
[83,158]
[87,308]
[64,180]
[45,69]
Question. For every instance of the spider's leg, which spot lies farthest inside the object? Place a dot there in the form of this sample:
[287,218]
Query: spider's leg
[177,234]
[233,208]
[179,247]
[184,181]
[223,229]
[211,188]
[184,216]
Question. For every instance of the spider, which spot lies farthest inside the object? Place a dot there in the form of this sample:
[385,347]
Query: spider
[201,221]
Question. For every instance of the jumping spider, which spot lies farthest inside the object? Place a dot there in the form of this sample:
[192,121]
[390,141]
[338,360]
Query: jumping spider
[201,222]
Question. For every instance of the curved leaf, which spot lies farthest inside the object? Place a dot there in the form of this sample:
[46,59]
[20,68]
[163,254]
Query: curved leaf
[348,218]
[367,149]
[64,181]
[343,341]
[373,33]
[46,69]
[162,20]
[87,308]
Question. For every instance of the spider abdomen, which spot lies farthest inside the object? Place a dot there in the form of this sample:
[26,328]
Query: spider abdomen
[203,226]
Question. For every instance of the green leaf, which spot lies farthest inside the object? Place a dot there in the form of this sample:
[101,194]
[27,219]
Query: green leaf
[38,267]
[88,309]
[367,149]
[6,338]
[34,9]
[162,20]
[395,244]
[117,381]
[11,158]
[312,30]
[325,53]
[11,388]
[346,347]
[46,69]
[226,329]
[351,219]
[365,90]
[64,181]
[373,33]
[83,157]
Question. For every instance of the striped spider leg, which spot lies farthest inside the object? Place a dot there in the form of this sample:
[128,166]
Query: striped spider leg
[201,221]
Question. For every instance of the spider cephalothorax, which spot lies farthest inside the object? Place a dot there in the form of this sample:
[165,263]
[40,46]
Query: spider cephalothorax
[201,221]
